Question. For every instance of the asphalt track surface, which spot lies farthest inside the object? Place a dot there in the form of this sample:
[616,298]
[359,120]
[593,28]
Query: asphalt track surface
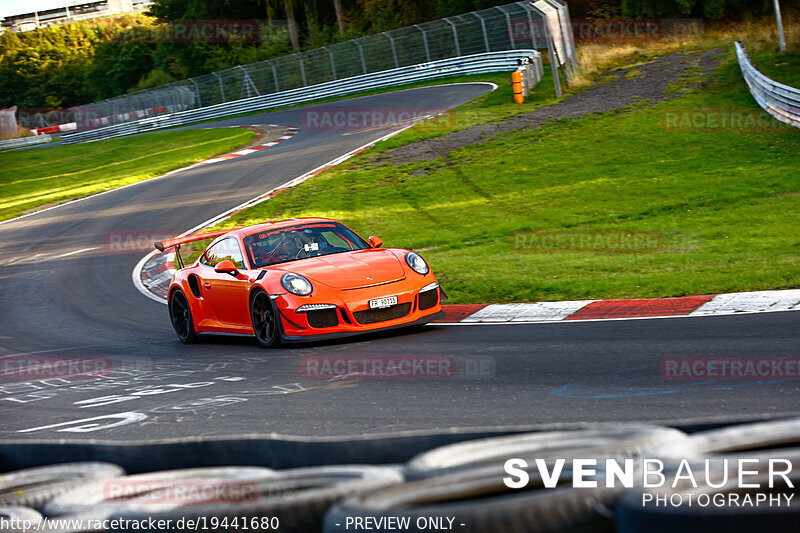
[85,305]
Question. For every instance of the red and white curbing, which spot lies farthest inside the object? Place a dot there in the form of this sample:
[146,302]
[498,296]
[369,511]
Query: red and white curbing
[71,126]
[707,305]
[290,132]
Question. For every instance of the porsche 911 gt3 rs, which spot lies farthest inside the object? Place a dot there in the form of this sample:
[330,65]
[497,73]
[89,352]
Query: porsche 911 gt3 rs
[299,280]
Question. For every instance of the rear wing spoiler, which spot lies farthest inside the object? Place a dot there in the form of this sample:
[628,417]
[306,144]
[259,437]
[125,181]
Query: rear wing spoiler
[178,241]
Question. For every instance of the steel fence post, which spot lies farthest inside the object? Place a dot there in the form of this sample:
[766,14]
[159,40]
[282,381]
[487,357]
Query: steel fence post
[333,65]
[550,48]
[508,24]
[197,92]
[302,69]
[361,53]
[424,42]
[455,35]
[394,50]
[571,36]
[483,28]
[221,88]
[564,38]
[274,75]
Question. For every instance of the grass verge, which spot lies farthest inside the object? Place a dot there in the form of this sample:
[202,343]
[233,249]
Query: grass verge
[719,199]
[40,177]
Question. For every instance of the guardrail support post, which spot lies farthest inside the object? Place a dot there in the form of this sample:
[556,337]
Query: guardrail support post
[564,39]
[548,36]
[508,24]
[197,92]
[424,42]
[274,75]
[483,28]
[455,35]
[333,65]
[361,53]
[247,81]
[394,50]
[302,69]
[221,88]
[564,10]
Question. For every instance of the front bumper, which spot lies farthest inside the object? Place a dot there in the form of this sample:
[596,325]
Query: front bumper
[352,314]
[338,335]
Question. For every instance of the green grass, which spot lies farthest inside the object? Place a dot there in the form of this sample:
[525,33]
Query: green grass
[783,67]
[491,107]
[725,201]
[39,177]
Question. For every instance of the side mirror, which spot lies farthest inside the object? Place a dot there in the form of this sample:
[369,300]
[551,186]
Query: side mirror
[226,267]
[375,242]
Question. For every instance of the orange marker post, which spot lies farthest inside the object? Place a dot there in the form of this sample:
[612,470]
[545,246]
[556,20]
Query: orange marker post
[516,86]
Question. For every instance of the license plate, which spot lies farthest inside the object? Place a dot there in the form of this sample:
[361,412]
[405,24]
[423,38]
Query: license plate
[379,303]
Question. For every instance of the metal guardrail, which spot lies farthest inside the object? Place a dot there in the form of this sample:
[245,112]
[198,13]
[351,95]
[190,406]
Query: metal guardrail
[539,25]
[472,64]
[24,141]
[779,100]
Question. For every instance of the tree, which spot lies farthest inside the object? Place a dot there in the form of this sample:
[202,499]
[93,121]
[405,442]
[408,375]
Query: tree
[337,6]
[294,33]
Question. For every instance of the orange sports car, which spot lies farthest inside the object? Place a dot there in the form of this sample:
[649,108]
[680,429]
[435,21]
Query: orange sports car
[298,280]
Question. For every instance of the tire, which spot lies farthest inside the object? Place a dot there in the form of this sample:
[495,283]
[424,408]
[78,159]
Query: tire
[634,514]
[605,441]
[180,314]
[265,318]
[740,438]
[297,498]
[12,516]
[33,487]
[479,502]
[90,499]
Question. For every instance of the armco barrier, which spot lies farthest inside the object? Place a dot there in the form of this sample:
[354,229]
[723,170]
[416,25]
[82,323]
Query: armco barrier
[777,99]
[24,141]
[472,64]
[276,451]
[538,25]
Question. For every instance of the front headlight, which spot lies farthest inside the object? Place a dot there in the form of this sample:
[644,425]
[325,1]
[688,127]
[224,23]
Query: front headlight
[417,263]
[296,284]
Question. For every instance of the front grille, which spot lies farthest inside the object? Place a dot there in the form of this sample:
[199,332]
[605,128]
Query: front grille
[380,315]
[323,318]
[428,299]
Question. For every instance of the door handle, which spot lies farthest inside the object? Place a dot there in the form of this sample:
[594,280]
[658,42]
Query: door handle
[207,284]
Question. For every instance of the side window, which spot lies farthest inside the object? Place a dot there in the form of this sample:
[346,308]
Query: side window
[209,258]
[222,250]
[336,240]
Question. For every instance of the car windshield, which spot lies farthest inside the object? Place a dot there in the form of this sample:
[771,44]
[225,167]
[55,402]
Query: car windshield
[270,247]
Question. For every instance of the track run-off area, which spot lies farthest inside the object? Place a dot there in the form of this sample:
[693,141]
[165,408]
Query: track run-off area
[65,293]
